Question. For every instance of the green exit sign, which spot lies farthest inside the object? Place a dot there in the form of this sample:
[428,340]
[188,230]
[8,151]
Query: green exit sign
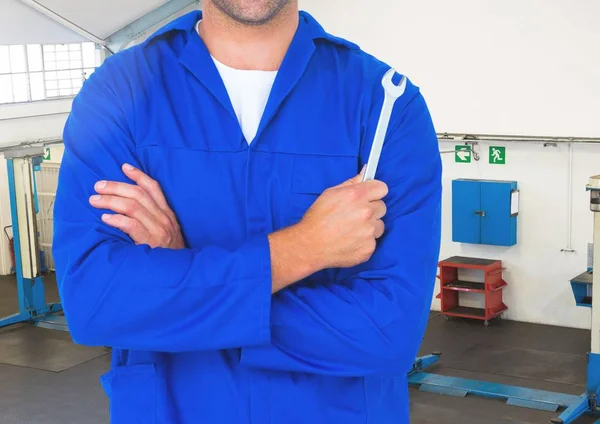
[497,155]
[462,154]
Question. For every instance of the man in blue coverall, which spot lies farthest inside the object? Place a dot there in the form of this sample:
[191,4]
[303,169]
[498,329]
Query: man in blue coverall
[211,225]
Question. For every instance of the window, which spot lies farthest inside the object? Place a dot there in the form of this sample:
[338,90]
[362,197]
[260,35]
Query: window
[39,72]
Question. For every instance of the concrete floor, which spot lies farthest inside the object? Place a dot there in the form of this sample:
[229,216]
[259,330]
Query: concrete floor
[46,379]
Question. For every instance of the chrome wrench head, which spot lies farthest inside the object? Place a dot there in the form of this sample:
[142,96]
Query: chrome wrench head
[391,89]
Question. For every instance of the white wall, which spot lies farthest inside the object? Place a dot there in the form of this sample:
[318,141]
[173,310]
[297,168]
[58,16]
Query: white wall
[525,67]
[33,121]
[486,66]
[537,271]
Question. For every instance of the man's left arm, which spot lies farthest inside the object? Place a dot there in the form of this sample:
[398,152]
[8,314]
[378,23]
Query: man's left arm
[371,320]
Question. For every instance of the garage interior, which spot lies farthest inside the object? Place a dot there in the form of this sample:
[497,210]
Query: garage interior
[513,88]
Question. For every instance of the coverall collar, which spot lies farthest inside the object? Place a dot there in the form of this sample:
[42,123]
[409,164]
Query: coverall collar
[196,58]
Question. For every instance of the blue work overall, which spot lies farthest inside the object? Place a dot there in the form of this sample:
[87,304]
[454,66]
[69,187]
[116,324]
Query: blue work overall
[197,336]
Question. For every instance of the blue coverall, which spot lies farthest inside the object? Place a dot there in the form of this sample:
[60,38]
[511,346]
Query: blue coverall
[197,335]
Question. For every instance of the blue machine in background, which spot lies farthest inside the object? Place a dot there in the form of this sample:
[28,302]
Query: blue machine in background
[485,212]
[22,162]
[582,288]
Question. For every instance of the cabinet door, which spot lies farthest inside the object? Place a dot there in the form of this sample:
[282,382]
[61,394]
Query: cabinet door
[466,202]
[497,226]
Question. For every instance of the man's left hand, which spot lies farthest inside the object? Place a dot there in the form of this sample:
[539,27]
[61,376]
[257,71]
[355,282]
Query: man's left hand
[141,210]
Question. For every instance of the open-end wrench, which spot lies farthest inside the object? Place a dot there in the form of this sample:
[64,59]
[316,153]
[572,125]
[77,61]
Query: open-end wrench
[392,92]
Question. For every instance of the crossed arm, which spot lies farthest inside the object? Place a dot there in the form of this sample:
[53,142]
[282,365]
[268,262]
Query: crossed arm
[368,322]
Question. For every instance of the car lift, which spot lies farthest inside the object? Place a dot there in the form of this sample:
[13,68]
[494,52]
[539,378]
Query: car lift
[574,406]
[461,387]
[22,162]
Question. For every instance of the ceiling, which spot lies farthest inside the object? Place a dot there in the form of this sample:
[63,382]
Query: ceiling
[21,24]
[102,18]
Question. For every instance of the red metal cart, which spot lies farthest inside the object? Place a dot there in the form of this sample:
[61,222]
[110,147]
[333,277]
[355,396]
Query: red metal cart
[491,288]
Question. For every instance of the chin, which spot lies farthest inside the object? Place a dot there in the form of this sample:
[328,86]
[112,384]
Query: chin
[251,12]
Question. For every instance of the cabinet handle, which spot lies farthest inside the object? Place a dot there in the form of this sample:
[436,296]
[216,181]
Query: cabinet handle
[480,213]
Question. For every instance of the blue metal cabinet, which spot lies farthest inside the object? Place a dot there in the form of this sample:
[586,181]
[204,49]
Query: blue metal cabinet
[484,212]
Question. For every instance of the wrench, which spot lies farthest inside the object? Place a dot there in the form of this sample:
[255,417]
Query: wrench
[392,93]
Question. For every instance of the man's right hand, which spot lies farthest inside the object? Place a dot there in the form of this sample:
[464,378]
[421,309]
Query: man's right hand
[345,221]
[338,231]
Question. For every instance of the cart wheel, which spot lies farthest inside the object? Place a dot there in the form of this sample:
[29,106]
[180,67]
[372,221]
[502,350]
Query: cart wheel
[486,323]
[556,421]
[437,353]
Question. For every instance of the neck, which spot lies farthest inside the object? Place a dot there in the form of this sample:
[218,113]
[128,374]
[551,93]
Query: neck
[239,46]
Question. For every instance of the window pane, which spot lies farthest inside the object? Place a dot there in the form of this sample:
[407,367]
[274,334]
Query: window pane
[88,72]
[74,47]
[50,66]
[62,65]
[76,64]
[64,84]
[62,48]
[75,55]
[89,55]
[17,59]
[62,56]
[52,85]
[6,89]
[51,93]
[48,48]
[51,76]
[34,57]
[20,88]
[66,92]
[63,75]
[4,60]
[36,82]
[49,57]
[76,73]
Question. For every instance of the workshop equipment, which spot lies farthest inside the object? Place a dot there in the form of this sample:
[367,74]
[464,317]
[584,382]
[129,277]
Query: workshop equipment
[585,285]
[574,406]
[491,288]
[21,164]
[391,92]
[582,288]
[461,387]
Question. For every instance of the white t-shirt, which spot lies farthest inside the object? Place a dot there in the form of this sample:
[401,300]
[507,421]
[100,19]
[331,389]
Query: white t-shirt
[249,92]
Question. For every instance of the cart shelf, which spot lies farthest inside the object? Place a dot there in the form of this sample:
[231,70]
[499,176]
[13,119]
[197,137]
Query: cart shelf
[468,286]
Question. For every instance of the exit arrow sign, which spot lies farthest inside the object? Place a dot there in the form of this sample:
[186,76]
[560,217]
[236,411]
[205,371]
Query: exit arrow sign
[462,154]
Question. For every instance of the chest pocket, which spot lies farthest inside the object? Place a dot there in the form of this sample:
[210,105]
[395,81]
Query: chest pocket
[313,174]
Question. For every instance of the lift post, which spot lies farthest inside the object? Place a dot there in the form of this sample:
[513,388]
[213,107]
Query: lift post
[22,163]
[588,402]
